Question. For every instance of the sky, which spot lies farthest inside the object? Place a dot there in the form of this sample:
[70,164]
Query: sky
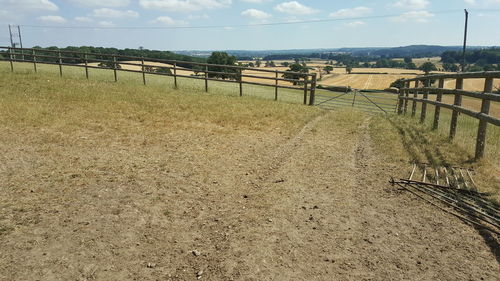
[242,24]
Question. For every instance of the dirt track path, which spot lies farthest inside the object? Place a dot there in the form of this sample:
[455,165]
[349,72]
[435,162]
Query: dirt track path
[315,206]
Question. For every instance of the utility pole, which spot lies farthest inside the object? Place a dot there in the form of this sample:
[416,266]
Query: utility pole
[10,33]
[465,39]
[20,41]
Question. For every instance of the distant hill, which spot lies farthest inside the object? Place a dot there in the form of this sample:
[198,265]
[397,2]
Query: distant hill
[415,51]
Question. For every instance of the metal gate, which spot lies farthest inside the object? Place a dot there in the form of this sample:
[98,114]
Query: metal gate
[369,101]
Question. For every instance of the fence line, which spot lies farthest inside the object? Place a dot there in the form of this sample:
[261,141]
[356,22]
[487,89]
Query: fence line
[483,116]
[210,72]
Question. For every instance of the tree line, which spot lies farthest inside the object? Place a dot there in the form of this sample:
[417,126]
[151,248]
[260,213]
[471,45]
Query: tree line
[476,60]
[98,53]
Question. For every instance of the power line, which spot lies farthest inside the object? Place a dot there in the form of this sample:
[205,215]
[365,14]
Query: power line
[248,25]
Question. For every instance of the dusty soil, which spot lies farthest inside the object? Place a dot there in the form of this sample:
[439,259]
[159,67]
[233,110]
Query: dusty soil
[212,204]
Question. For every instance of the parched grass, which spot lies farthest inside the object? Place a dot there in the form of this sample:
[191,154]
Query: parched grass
[45,101]
[467,128]
[66,103]
[157,81]
[415,142]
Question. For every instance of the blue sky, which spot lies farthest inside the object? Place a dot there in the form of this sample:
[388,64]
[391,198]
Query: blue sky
[410,22]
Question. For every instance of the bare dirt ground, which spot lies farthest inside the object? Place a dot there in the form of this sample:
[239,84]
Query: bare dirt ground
[213,203]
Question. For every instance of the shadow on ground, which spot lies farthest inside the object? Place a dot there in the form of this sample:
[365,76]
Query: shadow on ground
[421,150]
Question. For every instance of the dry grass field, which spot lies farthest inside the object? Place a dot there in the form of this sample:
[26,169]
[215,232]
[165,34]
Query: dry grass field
[120,181]
[360,78]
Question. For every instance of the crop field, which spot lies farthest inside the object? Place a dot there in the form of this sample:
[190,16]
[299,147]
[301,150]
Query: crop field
[121,181]
[361,78]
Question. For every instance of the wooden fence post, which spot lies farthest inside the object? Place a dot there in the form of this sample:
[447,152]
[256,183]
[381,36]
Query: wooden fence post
[34,59]
[86,66]
[175,75]
[483,125]
[276,86]
[206,78]
[10,59]
[241,82]
[458,102]
[400,100]
[306,81]
[143,72]
[415,96]
[423,112]
[114,68]
[439,98]
[60,63]
[407,94]
[313,89]
[354,98]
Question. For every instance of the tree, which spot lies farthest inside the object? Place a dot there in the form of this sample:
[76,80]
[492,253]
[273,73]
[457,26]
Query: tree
[222,58]
[250,64]
[109,64]
[475,68]
[398,83]
[165,70]
[258,63]
[149,68]
[427,67]
[328,69]
[348,69]
[489,67]
[408,60]
[286,64]
[296,67]
[411,65]
[270,64]
[450,67]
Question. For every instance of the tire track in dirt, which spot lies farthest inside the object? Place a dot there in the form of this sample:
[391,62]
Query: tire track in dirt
[285,151]
[226,228]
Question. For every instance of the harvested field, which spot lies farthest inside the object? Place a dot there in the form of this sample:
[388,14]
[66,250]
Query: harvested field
[117,181]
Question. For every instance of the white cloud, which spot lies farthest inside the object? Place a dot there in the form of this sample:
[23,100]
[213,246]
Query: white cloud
[294,8]
[111,13]
[101,3]
[256,1]
[28,5]
[255,14]
[7,17]
[184,5]
[355,23]
[166,20]
[412,4]
[83,19]
[351,13]
[198,17]
[52,19]
[105,23]
[415,16]
[470,2]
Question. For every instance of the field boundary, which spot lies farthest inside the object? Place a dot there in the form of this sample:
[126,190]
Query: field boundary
[422,86]
[305,82]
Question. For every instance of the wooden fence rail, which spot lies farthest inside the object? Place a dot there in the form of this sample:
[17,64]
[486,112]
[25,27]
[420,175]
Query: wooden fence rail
[305,82]
[487,96]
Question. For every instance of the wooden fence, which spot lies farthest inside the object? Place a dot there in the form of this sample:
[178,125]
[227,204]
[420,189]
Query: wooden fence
[305,82]
[422,86]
